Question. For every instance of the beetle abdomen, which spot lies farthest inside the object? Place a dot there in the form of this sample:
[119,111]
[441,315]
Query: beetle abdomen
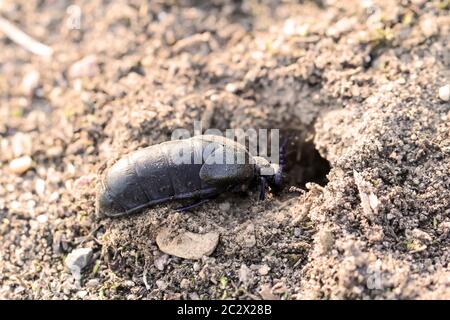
[150,176]
[150,165]
[121,190]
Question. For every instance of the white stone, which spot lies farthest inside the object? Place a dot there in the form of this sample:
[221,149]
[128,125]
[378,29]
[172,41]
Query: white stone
[81,294]
[77,260]
[264,270]
[244,274]
[184,284]
[231,87]
[30,82]
[92,283]
[162,285]
[161,262]
[20,165]
[39,187]
[187,245]
[21,144]
[444,93]
[42,218]
[429,26]
[86,67]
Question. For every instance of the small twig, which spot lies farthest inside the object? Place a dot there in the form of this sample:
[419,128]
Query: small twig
[91,236]
[144,279]
[297,263]
[191,41]
[24,40]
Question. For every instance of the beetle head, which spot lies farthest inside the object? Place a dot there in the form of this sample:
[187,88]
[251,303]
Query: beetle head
[271,171]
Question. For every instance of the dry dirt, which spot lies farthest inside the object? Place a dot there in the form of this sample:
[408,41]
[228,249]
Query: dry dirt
[356,82]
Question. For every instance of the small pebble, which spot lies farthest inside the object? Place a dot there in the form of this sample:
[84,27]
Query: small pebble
[194,296]
[444,93]
[429,26]
[225,206]
[264,270]
[420,235]
[92,283]
[39,187]
[19,290]
[162,285]
[128,284]
[20,165]
[83,181]
[42,218]
[342,26]
[77,260]
[54,152]
[21,144]
[161,261]
[30,82]
[54,197]
[231,87]
[249,239]
[31,204]
[279,288]
[86,67]
[81,294]
[187,245]
[184,284]
[266,293]
[244,274]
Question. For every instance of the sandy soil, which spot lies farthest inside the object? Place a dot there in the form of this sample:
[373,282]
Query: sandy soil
[356,82]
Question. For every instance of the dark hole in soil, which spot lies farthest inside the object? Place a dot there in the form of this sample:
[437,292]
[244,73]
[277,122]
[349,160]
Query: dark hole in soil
[303,163]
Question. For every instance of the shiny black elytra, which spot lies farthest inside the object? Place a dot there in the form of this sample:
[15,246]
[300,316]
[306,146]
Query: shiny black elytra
[150,176]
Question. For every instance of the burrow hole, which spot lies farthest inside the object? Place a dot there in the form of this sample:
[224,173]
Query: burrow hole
[303,162]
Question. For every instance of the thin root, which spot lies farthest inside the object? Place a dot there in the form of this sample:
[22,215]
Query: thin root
[24,40]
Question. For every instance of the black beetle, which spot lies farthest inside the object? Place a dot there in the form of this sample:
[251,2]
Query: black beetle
[181,169]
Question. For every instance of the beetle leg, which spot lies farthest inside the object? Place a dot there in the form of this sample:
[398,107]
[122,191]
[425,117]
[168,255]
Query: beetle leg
[262,186]
[195,204]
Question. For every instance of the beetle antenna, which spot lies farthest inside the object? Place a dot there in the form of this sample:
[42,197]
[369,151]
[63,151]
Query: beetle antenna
[278,178]
[283,153]
[263,187]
